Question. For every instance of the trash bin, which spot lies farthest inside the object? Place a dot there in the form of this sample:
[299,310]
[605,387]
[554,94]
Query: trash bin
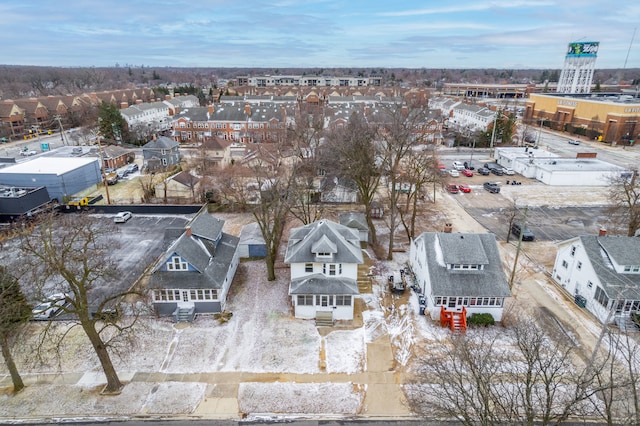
[422,309]
[580,301]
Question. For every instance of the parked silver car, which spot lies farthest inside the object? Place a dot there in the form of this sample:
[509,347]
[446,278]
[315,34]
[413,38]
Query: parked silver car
[49,308]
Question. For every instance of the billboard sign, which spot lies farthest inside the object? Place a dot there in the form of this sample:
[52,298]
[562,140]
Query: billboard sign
[586,48]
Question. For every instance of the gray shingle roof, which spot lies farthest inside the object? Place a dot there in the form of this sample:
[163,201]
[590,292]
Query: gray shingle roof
[162,142]
[321,284]
[354,220]
[251,234]
[206,226]
[214,272]
[625,251]
[303,239]
[199,250]
[444,248]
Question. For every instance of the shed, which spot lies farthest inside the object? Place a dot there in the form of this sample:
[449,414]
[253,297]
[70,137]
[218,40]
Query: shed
[62,176]
[358,222]
[252,242]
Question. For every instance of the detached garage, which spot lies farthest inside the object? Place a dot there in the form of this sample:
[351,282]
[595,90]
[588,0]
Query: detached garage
[62,176]
[251,243]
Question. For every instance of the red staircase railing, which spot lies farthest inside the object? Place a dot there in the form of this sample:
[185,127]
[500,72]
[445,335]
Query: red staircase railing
[455,320]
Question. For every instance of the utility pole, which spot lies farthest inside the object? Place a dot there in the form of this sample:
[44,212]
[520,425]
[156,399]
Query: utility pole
[515,261]
[493,133]
[104,174]
[59,120]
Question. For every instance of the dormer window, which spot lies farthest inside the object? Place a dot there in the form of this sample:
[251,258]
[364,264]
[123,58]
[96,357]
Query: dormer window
[465,267]
[321,254]
[177,264]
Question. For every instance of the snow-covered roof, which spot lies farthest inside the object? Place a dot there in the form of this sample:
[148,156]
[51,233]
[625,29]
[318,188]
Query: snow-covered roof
[49,165]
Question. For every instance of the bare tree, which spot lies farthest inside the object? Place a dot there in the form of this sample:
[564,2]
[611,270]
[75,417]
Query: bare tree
[272,208]
[351,152]
[400,128]
[420,170]
[14,313]
[525,374]
[304,132]
[147,184]
[624,196]
[73,255]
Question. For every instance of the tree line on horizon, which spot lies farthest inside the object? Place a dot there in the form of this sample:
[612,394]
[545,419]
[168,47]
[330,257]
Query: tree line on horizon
[22,81]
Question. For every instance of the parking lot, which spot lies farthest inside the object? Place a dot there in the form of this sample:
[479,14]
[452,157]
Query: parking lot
[138,244]
[554,213]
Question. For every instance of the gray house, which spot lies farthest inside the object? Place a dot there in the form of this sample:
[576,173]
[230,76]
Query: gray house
[194,274]
[161,152]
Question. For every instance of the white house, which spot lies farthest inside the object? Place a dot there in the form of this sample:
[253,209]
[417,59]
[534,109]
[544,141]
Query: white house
[324,258]
[472,117]
[602,272]
[459,273]
[154,115]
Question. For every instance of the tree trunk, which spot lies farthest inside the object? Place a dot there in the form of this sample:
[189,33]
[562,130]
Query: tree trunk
[113,381]
[271,268]
[18,385]
[372,228]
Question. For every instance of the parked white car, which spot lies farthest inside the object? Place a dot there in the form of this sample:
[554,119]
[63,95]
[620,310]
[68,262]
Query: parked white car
[454,173]
[122,217]
[508,171]
[458,165]
[49,308]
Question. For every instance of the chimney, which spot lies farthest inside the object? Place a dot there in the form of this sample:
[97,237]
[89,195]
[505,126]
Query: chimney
[124,105]
[210,108]
[448,227]
[167,97]
[188,230]
[247,109]
[602,232]
[367,110]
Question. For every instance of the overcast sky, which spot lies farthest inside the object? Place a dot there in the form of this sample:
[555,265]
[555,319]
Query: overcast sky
[316,33]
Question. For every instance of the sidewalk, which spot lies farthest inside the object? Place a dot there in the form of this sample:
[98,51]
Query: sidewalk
[198,395]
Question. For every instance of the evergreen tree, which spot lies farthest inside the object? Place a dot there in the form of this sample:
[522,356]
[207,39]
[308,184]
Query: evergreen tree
[14,312]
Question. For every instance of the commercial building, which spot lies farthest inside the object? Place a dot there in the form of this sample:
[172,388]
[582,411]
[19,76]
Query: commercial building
[605,116]
[62,176]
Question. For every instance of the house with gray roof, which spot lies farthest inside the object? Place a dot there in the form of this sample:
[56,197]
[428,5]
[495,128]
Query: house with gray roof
[195,272]
[323,258]
[602,273]
[160,153]
[459,272]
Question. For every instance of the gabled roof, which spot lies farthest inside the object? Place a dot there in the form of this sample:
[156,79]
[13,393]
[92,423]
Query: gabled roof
[216,143]
[197,245]
[206,226]
[185,178]
[354,220]
[212,274]
[251,234]
[446,248]
[304,241]
[162,142]
[624,251]
[458,248]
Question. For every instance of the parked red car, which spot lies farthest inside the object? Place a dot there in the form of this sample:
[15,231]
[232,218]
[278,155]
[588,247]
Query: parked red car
[464,188]
[452,188]
[467,172]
